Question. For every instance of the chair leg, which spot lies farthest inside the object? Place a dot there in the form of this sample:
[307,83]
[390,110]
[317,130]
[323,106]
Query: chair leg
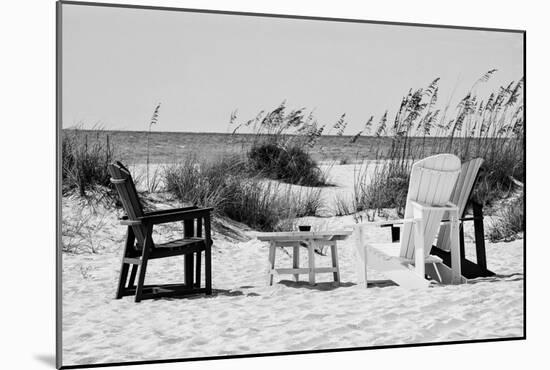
[122,280]
[395,234]
[479,236]
[461,241]
[455,249]
[189,261]
[208,270]
[133,273]
[143,266]
[141,280]
[198,270]
[419,258]
[130,239]
[188,232]
[208,257]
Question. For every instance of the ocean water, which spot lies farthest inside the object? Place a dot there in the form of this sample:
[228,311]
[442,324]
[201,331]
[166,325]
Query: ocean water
[171,147]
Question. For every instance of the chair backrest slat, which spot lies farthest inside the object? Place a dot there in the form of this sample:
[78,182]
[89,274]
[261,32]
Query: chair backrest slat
[122,179]
[460,196]
[431,182]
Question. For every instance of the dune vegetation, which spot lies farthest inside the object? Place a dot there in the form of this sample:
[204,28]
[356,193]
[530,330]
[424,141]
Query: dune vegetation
[275,178]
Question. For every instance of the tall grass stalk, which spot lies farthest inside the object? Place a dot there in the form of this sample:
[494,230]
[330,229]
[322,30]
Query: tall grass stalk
[152,121]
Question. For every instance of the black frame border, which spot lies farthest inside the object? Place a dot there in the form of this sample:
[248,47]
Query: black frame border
[58,256]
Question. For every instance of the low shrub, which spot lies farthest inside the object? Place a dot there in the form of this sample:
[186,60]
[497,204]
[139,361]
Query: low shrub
[289,164]
[280,144]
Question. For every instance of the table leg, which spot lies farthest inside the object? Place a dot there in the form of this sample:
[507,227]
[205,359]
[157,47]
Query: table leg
[296,260]
[334,253]
[311,261]
[271,263]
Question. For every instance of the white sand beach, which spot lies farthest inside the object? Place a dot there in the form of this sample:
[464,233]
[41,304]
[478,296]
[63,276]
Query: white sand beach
[246,316]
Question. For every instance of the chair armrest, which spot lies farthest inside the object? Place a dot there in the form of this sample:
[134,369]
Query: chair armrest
[124,221]
[173,210]
[428,207]
[176,216]
[462,219]
[397,223]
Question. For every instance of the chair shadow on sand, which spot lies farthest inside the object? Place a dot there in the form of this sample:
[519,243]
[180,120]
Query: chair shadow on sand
[498,277]
[330,285]
[215,293]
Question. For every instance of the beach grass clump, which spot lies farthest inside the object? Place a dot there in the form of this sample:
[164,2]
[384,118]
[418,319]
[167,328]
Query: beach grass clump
[503,169]
[226,185]
[305,201]
[387,188]
[209,183]
[290,164]
[85,156]
[258,205]
[509,222]
[281,143]
[343,206]
[384,187]
[266,206]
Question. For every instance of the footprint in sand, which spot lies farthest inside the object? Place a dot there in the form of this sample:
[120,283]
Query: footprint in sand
[312,342]
[87,360]
[198,341]
[172,340]
[85,336]
[314,316]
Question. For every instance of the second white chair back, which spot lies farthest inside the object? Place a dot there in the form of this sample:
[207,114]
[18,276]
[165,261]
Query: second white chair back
[432,181]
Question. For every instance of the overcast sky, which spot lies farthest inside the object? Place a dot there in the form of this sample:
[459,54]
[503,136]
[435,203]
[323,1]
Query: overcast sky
[119,63]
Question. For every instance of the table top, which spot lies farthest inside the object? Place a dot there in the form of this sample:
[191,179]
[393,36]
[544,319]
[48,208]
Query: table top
[303,235]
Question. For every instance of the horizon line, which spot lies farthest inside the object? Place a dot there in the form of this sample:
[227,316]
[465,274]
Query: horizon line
[255,134]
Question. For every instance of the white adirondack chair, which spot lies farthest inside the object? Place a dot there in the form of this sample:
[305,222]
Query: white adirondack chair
[461,197]
[407,263]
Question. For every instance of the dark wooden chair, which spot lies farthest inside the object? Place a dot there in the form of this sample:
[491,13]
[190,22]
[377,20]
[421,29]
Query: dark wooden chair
[140,247]
[462,197]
